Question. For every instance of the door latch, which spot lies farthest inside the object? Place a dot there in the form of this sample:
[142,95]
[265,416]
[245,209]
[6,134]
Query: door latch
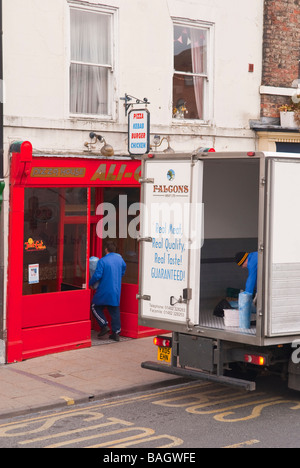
[143,297]
[186,296]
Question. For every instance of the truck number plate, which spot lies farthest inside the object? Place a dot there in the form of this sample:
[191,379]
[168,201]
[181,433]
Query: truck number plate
[164,354]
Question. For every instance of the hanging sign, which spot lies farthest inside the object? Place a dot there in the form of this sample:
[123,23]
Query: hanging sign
[139,131]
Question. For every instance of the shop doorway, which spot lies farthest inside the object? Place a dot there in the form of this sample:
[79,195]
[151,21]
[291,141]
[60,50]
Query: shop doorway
[115,216]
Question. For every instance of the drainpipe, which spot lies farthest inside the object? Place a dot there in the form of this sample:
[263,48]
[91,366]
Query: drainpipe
[1,92]
[2,342]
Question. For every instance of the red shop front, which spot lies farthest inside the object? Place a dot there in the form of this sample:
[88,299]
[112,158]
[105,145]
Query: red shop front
[61,211]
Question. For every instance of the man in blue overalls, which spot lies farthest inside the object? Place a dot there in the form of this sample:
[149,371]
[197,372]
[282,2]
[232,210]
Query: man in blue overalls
[248,260]
[109,272]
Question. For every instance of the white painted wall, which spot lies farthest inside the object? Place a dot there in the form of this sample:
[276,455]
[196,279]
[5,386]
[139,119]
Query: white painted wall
[36,45]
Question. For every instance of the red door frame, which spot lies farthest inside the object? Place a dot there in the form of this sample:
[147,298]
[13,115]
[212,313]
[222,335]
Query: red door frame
[30,332]
[96,248]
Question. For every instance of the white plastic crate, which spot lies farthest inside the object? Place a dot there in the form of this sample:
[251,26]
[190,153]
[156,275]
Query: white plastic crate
[231,317]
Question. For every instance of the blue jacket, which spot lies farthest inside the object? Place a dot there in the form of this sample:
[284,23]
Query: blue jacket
[109,272]
[252,272]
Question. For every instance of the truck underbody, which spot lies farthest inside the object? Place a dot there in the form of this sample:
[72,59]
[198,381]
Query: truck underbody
[224,362]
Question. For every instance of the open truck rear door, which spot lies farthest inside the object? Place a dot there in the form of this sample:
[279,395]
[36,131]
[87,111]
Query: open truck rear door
[282,256]
[170,242]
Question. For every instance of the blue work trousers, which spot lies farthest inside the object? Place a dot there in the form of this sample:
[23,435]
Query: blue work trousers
[114,312]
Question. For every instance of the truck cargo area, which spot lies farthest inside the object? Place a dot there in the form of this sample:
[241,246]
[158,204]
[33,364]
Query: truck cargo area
[230,199]
[237,202]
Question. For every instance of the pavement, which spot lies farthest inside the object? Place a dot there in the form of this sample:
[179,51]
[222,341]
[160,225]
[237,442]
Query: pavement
[107,369]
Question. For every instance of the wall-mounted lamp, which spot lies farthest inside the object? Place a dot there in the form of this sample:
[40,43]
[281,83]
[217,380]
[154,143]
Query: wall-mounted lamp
[157,140]
[106,150]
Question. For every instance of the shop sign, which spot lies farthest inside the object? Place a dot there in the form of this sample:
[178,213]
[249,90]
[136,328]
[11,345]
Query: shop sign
[93,171]
[115,173]
[139,131]
[58,172]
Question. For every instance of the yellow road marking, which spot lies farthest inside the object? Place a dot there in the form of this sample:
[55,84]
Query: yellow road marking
[118,402]
[202,400]
[111,421]
[256,412]
[242,444]
[175,442]
[197,409]
[69,401]
[144,431]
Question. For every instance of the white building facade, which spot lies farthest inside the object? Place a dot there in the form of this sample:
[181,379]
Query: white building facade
[68,65]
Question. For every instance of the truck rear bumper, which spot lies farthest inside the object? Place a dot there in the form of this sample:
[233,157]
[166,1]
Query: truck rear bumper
[199,375]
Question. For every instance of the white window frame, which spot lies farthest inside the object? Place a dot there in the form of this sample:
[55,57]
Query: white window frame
[112,86]
[208,91]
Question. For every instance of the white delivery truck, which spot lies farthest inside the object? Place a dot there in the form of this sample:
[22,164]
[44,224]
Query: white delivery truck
[197,211]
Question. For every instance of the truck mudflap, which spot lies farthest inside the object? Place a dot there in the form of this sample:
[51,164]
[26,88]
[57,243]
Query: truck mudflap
[199,375]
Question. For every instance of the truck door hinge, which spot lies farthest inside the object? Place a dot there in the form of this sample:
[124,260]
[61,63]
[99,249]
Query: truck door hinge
[187,294]
[144,239]
[143,297]
[146,181]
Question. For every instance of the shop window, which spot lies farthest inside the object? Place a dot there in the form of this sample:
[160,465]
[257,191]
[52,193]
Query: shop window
[55,240]
[191,72]
[287,147]
[91,67]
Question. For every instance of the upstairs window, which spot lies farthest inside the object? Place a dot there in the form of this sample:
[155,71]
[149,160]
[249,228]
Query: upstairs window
[91,64]
[191,69]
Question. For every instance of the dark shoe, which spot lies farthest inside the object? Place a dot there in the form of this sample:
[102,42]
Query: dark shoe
[103,331]
[114,336]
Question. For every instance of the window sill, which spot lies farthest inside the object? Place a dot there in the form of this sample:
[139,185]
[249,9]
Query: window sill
[198,123]
[107,118]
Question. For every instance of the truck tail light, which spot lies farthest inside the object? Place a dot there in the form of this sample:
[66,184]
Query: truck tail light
[255,359]
[162,341]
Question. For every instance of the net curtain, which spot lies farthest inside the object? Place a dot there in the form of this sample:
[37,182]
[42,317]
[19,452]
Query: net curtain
[90,62]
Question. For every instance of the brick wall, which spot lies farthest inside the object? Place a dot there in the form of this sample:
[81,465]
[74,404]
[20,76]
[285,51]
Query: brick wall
[281,50]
